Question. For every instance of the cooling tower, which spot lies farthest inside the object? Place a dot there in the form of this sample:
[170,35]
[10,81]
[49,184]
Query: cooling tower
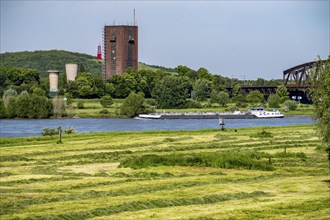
[71,71]
[53,80]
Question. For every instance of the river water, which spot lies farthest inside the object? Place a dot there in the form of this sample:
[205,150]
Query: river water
[33,127]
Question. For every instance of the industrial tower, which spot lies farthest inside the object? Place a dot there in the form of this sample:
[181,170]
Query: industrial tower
[120,49]
[99,53]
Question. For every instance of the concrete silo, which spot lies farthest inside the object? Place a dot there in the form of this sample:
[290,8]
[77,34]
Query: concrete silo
[53,82]
[71,71]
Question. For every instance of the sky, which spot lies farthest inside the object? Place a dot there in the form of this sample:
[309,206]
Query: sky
[239,39]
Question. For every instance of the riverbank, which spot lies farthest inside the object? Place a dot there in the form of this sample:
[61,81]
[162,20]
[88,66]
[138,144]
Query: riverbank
[265,173]
[93,109]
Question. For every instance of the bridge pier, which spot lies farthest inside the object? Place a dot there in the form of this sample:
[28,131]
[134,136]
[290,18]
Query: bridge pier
[305,96]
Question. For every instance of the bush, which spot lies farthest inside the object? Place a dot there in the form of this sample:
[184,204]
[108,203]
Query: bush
[291,105]
[274,101]
[70,130]
[151,102]
[207,105]
[53,131]
[80,105]
[148,109]
[39,107]
[283,93]
[263,134]
[255,97]
[233,108]
[133,105]
[193,104]
[171,92]
[106,101]
[242,104]
[48,132]
[69,98]
[201,89]
[2,109]
[104,111]
[222,98]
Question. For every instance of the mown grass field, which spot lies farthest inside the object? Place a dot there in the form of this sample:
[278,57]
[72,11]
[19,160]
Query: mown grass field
[259,173]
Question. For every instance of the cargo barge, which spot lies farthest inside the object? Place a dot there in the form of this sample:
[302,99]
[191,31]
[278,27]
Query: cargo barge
[252,114]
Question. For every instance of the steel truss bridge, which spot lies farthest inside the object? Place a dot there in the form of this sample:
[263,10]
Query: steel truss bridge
[295,79]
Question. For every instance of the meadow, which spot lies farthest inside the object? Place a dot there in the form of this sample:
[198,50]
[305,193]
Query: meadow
[252,173]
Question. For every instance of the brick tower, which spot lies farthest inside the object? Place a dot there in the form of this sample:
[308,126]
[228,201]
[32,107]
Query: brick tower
[120,49]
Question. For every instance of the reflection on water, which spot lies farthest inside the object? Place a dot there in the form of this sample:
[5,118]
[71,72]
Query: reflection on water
[30,127]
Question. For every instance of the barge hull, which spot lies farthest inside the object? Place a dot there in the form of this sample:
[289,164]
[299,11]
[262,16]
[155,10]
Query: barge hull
[202,116]
[207,116]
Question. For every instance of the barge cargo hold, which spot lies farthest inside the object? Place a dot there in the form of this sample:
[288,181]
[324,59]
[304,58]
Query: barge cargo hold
[196,116]
[252,114]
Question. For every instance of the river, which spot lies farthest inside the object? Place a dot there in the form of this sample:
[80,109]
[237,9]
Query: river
[33,127]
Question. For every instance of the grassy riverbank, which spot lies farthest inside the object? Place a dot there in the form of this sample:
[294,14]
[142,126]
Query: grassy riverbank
[92,109]
[255,173]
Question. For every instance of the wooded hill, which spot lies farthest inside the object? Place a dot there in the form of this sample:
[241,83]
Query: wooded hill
[51,59]
[44,60]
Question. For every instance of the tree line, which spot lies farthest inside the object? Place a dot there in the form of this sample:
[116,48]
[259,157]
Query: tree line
[25,105]
[181,88]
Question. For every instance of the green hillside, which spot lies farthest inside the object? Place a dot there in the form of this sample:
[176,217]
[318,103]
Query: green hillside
[44,60]
[51,59]
[154,67]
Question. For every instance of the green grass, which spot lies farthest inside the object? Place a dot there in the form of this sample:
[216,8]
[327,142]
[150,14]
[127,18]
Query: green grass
[92,108]
[227,159]
[204,174]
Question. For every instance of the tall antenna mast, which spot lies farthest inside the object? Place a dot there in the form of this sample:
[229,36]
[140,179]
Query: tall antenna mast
[134,18]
